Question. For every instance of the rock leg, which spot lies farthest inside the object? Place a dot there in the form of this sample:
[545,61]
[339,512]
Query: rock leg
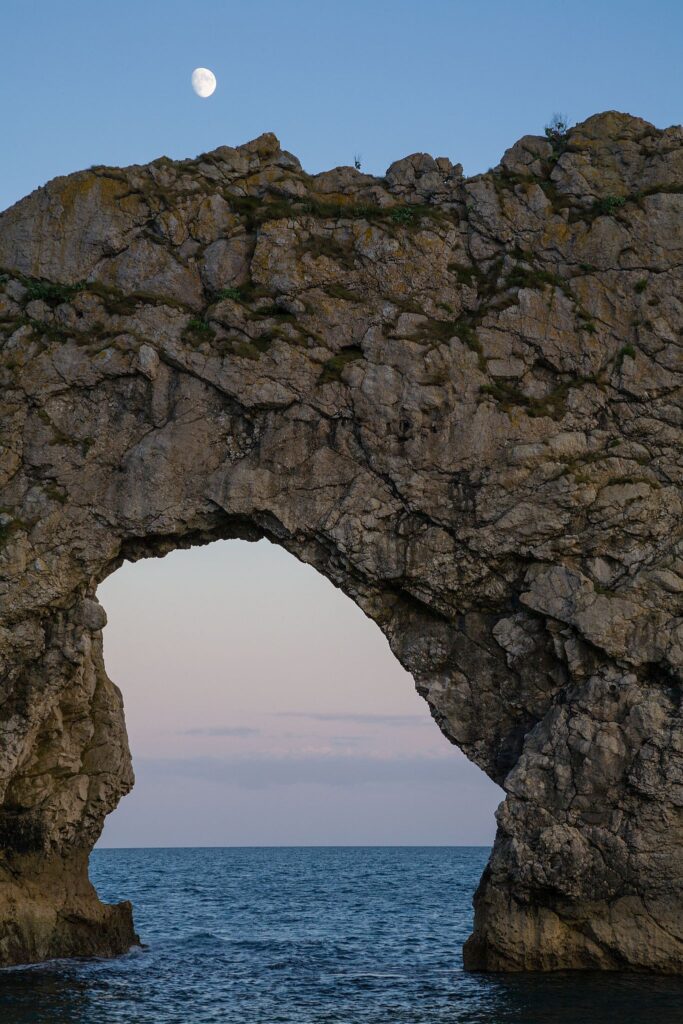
[587,868]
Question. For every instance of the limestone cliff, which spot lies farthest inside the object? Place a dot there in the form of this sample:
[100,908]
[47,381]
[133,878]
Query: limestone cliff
[459,399]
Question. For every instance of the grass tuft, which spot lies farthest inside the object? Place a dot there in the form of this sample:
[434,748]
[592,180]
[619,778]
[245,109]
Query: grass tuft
[608,205]
[625,350]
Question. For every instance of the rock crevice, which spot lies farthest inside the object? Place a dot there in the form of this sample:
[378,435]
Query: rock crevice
[459,399]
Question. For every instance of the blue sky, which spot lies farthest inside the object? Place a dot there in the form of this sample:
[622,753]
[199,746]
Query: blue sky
[262,706]
[87,82]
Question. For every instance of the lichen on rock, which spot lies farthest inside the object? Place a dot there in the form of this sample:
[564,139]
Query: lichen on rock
[459,399]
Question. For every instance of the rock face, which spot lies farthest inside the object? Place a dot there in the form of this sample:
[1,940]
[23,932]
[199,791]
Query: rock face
[459,399]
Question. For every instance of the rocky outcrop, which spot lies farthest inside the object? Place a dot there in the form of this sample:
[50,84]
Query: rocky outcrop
[459,399]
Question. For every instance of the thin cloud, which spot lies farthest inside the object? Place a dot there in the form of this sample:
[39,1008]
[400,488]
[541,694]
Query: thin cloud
[221,730]
[356,719]
[257,772]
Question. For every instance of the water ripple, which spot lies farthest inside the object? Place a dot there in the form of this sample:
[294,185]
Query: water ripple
[309,936]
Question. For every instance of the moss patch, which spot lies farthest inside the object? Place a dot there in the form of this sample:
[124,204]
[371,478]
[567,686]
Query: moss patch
[334,367]
[339,291]
[48,291]
[197,331]
[532,277]
[554,404]
[340,252]
[608,206]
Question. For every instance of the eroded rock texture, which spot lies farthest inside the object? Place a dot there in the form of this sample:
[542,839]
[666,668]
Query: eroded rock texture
[459,399]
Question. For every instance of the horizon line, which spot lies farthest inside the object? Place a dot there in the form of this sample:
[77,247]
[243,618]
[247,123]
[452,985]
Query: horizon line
[310,846]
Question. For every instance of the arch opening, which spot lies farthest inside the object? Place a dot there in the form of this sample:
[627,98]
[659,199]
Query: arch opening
[264,708]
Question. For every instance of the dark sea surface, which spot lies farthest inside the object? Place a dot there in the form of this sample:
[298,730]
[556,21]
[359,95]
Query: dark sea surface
[299,935]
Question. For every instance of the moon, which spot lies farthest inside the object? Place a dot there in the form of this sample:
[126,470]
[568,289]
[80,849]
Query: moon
[203,82]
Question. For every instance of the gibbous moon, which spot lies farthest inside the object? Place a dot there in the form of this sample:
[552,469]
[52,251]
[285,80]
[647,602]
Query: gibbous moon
[203,82]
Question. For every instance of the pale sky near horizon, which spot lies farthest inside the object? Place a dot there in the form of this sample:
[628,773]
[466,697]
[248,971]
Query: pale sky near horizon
[263,707]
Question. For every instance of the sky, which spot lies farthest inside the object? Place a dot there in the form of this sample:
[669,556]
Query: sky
[263,707]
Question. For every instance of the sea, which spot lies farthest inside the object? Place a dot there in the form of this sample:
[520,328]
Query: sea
[297,935]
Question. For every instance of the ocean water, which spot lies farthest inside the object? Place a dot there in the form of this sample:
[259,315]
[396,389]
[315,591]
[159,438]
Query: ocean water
[354,935]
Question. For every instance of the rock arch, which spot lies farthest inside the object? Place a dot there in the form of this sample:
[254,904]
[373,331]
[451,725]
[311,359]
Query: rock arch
[459,399]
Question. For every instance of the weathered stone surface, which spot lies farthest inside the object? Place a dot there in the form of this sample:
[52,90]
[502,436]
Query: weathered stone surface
[459,399]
